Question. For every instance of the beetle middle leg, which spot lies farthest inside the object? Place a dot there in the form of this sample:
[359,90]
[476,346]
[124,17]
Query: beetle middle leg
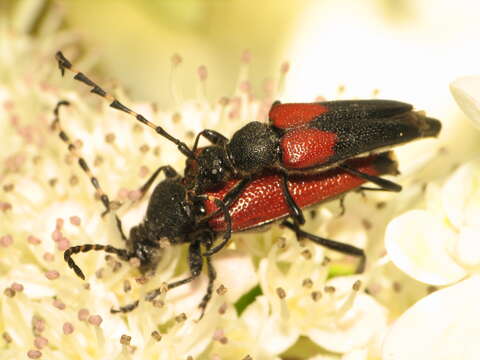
[330,244]
[295,212]
[212,275]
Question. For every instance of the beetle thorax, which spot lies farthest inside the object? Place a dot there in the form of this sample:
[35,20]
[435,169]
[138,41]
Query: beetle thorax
[169,213]
[254,147]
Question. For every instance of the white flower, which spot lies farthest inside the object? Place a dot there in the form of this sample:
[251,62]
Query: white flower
[443,326]
[439,245]
[466,91]
[301,301]
[47,204]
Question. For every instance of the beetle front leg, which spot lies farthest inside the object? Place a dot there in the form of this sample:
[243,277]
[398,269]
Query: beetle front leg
[169,171]
[228,231]
[233,194]
[195,262]
[229,198]
[212,275]
[211,135]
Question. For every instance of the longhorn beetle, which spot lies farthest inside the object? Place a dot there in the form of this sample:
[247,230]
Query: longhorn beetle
[172,213]
[300,138]
[195,210]
[183,217]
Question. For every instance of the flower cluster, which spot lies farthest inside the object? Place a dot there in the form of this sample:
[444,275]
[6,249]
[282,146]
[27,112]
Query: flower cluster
[438,244]
[47,205]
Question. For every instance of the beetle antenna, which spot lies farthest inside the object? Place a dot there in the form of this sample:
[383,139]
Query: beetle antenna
[65,64]
[81,161]
[67,255]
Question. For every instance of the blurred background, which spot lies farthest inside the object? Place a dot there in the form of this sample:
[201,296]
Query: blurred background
[408,50]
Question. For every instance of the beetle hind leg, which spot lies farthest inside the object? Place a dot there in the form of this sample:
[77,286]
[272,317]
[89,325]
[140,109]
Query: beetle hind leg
[330,244]
[384,184]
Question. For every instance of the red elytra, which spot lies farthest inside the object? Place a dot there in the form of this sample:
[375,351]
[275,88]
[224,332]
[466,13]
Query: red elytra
[319,135]
[306,147]
[284,116]
[263,202]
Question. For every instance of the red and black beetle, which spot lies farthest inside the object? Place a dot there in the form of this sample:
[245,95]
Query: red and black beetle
[299,139]
[265,173]
[305,138]
[262,202]
[183,217]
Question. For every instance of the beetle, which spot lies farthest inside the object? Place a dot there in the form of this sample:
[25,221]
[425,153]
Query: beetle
[304,138]
[172,213]
[198,220]
[300,138]
[262,201]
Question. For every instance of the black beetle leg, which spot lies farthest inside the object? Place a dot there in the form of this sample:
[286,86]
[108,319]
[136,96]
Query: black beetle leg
[195,262]
[295,212]
[385,185]
[330,244]
[211,135]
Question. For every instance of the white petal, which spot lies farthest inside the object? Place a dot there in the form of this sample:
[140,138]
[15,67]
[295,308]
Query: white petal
[468,247]
[328,356]
[348,229]
[236,272]
[270,331]
[356,329]
[461,195]
[443,326]
[357,354]
[466,92]
[433,200]
[417,243]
